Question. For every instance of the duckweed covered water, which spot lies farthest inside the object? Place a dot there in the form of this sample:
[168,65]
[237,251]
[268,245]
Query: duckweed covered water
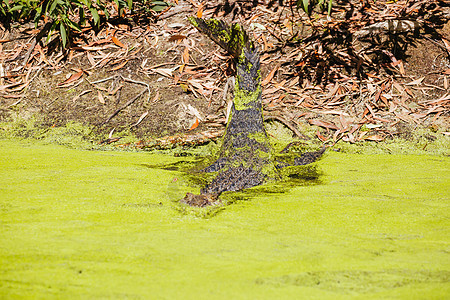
[93,224]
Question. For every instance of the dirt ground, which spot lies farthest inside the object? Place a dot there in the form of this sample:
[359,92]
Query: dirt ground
[165,78]
[166,105]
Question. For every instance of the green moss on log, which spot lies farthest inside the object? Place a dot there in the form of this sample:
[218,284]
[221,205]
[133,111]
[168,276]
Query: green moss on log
[231,38]
[243,98]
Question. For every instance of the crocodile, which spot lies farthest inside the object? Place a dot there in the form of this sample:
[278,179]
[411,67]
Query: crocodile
[245,158]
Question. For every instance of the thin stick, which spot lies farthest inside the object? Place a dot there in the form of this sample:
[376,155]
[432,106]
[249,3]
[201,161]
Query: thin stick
[288,124]
[125,106]
[104,79]
[138,82]
[37,38]
[26,88]
[173,12]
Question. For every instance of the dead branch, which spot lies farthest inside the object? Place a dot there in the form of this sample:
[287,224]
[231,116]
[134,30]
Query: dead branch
[125,106]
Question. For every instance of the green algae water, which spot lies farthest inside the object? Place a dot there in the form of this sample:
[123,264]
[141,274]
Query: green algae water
[102,224]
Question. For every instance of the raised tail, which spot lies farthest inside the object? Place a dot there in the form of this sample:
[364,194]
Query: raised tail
[232,38]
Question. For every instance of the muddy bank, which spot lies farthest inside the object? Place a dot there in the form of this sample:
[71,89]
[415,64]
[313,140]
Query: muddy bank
[168,79]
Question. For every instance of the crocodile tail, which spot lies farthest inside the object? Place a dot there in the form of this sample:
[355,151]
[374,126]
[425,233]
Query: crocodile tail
[236,42]
[231,38]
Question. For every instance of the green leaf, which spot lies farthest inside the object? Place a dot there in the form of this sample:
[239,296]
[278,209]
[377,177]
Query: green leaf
[15,8]
[330,4]
[38,15]
[130,4]
[87,3]
[79,4]
[52,8]
[62,31]
[95,15]
[72,24]
[7,5]
[82,16]
[158,8]
[305,6]
[162,3]
[120,5]
[50,31]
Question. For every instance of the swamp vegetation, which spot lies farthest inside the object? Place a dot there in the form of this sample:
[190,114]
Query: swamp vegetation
[101,224]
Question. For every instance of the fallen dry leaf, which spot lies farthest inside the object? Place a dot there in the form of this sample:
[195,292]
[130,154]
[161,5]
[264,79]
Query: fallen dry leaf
[345,123]
[333,91]
[370,109]
[447,45]
[416,82]
[401,68]
[270,91]
[111,133]
[331,112]
[118,43]
[72,78]
[185,56]
[321,137]
[270,76]
[100,97]
[195,125]
[349,138]
[90,58]
[119,66]
[176,37]
[12,96]
[374,138]
[87,48]
[140,119]
[113,92]
[408,91]
[198,85]
[163,72]
[156,97]
[19,88]
[323,124]
[81,94]
[200,11]
[8,86]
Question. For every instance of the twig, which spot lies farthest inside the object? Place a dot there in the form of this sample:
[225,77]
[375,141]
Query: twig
[103,80]
[24,93]
[173,12]
[125,106]
[288,124]
[138,82]
[134,81]
[274,35]
[38,37]
[436,43]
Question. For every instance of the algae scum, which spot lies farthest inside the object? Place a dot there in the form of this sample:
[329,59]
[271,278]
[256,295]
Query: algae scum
[98,224]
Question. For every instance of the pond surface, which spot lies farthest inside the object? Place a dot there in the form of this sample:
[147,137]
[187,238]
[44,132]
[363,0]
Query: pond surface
[93,224]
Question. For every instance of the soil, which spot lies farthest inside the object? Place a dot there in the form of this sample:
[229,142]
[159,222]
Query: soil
[169,107]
